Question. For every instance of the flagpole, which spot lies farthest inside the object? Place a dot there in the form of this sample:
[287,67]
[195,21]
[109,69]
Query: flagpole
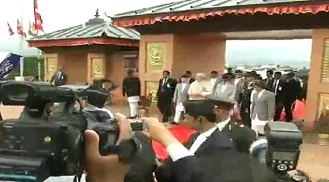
[21,47]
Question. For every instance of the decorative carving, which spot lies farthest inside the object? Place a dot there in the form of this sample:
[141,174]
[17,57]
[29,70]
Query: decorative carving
[322,118]
[156,56]
[97,68]
[323,107]
[51,69]
[325,62]
[151,90]
[97,71]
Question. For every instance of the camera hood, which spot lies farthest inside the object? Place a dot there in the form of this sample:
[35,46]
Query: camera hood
[33,94]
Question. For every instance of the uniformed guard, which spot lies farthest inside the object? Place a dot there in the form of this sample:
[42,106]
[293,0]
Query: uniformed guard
[244,98]
[241,135]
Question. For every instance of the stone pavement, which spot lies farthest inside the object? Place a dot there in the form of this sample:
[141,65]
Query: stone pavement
[314,159]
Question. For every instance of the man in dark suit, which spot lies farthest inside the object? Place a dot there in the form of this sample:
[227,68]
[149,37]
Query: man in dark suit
[59,78]
[190,76]
[165,95]
[277,90]
[291,89]
[244,98]
[209,140]
[269,80]
[241,135]
[209,156]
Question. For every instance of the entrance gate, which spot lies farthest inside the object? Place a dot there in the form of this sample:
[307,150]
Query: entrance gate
[191,35]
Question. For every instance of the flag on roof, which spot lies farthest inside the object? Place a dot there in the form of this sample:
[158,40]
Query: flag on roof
[20,30]
[37,17]
[32,31]
[10,30]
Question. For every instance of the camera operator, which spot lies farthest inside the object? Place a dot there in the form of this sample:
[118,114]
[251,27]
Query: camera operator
[106,168]
[187,167]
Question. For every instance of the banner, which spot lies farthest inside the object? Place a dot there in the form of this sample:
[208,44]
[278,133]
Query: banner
[8,61]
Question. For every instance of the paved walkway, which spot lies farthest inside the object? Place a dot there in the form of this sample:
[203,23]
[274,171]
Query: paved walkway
[314,159]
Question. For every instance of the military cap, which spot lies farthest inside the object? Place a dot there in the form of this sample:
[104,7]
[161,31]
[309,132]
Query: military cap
[221,103]
[200,108]
[249,74]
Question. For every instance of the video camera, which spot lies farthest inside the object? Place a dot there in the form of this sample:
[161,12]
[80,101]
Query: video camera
[280,149]
[42,143]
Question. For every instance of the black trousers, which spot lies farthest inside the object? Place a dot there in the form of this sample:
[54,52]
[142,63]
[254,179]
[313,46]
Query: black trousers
[165,107]
[288,110]
[245,116]
[287,105]
[278,111]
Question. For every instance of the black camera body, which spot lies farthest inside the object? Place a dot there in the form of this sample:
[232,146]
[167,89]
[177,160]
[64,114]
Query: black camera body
[40,144]
[280,149]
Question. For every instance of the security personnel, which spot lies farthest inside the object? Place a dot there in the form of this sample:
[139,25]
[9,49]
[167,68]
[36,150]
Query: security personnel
[244,98]
[211,155]
[207,143]
[241,135]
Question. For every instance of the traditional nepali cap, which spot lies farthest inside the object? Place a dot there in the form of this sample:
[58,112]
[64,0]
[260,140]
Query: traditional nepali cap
[226,76]
[200,108]
[221,103]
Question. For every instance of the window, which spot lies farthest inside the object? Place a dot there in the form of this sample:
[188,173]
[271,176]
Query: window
[131,63]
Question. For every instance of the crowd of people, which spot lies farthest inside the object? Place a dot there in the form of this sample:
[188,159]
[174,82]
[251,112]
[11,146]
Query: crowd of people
[228,111]
[256,100]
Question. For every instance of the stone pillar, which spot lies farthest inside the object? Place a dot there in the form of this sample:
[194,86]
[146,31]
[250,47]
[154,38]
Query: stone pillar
[96,66]
[198,53]
[318,84]
[51,66]
[178,53]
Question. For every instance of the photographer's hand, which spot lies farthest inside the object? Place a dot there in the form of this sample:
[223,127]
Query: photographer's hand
[106,168]
[158,132]
[102,168]
[124,127]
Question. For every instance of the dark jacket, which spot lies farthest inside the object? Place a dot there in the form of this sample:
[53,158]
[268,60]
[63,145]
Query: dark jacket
[141,170]
[269,83]
[166,91]
[241,135]
[291,90]
[131,86]
[59,80]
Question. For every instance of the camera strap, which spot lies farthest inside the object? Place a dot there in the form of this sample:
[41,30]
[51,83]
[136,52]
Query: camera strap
[78,176]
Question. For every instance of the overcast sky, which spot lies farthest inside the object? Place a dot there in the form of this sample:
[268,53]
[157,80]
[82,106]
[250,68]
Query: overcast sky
[58,14]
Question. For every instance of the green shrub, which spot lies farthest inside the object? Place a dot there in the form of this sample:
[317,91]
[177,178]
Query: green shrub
[30,67]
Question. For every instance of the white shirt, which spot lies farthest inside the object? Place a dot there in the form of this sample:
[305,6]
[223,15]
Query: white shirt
[224,86]
[201,139]
[197,88]
[221,125]
[258,96]
[183,87]
[276,84]
[212,82]
[236,81]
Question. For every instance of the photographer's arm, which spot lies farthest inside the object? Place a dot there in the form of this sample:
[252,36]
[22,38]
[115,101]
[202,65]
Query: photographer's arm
[106,168]
[102,168]
[184,166]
